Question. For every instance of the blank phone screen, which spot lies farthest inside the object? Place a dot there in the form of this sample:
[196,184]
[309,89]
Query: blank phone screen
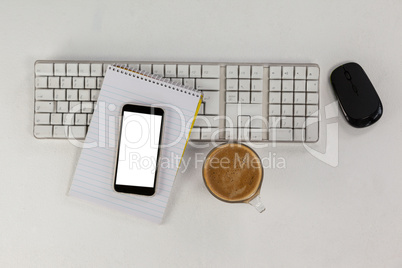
[138,149]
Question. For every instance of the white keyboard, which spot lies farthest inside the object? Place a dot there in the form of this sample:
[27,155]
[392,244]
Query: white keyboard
[245,102]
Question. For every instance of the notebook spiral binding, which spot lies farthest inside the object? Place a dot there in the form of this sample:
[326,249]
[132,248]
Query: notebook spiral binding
[168,83]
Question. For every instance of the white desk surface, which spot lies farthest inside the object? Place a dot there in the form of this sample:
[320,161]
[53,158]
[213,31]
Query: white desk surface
[317,215]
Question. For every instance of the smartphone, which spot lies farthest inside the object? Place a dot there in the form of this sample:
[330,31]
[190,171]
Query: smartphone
[138,149]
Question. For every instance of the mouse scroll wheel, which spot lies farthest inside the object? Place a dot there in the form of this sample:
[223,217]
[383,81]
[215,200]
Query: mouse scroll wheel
[347,75]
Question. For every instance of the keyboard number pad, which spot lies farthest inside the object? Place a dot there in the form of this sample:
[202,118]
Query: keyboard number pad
[293,103]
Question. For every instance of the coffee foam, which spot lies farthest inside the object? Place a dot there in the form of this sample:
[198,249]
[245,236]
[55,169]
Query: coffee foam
[233,172]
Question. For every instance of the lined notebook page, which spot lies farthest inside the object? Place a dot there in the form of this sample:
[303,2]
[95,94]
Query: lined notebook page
[94,175]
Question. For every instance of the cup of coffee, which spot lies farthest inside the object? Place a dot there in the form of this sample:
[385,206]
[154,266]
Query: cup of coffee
[233,173]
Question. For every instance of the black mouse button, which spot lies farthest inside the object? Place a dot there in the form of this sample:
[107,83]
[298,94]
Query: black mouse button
[347,75]
[364,95]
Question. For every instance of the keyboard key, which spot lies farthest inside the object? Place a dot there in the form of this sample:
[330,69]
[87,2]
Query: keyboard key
[232,71]
[257,72]
[54,82]
[232,84]
[195,70]
[211,100]
[84,95]
[312,129]
[87,107]
[256,97]
[43,131]
[72,69]
[231,96]
[78,82]
[280,134]
[80,119]
[96,69]
[287,97]
[190,82]
[256,134]
[274,109]
[275,85]
[299,122]
[75,107]
[256,85]
[170,70]
[300,85]
[244,97]
[106,66]
[298,134]
[44,69]
[286,122]
[62,106]
[275,72]
[287,110]
[41,82]
[244,71]
[60,69]
[244,84]
[65,82]
[299,110]
[44,106]
[90,82]
[231,133]
[312,110]
[68,119]
[287,72]
[300,98]
[312,73]
[146,68]
[182,70]
[287,85]
[60,131]
[72,94]
[159,69]
[312,98]
[89,117]
[207,84]
[44,94]
[84,69]
[94,94]
[274,122]
[312,86]
[243,134]
[56,119]
[59,94]
[275,97]
[300,72]
[42,119]
[210,71]
[77,132]
[99,82]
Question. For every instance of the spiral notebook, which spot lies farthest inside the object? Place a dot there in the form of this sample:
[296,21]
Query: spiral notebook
[94,175]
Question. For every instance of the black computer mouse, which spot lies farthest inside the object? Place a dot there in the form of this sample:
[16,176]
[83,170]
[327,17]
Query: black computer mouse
[357,96]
